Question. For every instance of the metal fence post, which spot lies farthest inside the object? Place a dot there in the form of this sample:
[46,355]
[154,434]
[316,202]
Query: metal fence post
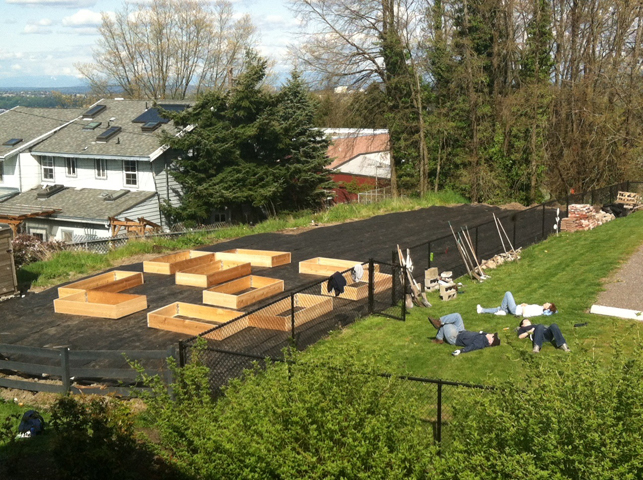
[438,425]
[65,369]
[292,319]
[515,218]
[429,255]
[403,293]
[371,286]
[181,359]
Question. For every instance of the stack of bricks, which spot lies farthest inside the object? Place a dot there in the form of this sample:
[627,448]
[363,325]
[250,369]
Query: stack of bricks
[583,217]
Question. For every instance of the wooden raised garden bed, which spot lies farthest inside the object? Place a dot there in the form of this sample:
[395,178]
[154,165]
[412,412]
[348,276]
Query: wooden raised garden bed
[115,281]
[170,264]
[327,266]
[278,315]
[192,319]
[359,290]
[257,258]
[94,303]
[212,273]
[243,291]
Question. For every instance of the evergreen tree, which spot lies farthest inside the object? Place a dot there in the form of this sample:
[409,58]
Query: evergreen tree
[248,147]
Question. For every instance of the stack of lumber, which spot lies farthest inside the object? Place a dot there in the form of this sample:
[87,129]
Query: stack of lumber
[583,217]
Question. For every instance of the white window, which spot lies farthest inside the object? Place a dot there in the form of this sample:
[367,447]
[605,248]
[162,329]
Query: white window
[70,167]
[131,173]
[100,168]
[47,168]
[68,235]
[40,233]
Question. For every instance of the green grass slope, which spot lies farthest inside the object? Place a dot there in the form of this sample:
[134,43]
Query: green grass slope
[568,270]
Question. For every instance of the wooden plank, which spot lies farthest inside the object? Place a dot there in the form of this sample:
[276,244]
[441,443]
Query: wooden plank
[7,349]
[100,304]
[30,368]
[322,266]
[278,316]
[31,386]
[226,295]
[214,273]
[170,264]
[257,258]
[110,373]
[115,281]
[359,290]
[617,312]
[201,318]
[116,355]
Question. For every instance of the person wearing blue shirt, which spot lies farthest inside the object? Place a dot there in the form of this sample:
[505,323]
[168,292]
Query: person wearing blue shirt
[451,328]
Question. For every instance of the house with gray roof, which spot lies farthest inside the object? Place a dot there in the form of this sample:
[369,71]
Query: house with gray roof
[104,162]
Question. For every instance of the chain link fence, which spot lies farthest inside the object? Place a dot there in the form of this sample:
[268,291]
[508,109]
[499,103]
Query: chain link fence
[309,314]
[300,319]
[106,245]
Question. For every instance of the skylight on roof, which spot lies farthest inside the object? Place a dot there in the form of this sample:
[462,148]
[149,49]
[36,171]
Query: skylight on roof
[150,126]
[107,134]
[92,125]
[95,110]
[150,115]
[13,142]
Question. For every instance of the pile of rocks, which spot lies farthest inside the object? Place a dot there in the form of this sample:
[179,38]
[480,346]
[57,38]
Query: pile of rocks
[501,258]
[583,217]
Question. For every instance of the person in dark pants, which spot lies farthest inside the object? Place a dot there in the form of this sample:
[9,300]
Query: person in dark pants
[540,333]
[451,328]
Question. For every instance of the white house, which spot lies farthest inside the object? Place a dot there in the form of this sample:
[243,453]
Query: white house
[95,164]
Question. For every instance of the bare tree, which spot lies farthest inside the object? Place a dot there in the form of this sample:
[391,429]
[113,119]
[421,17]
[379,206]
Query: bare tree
[165,48]
[357,43]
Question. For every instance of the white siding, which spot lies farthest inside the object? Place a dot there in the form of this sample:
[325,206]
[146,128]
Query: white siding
[55,229]
[22,165]
[166,186]
[86,175]
[366,165]
[149,210]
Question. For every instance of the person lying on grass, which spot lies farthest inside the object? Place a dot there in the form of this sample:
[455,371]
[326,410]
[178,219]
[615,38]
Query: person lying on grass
[508,305]
[451,328]
[540,333]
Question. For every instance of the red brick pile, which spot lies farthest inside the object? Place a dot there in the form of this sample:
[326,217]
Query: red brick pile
[583,217]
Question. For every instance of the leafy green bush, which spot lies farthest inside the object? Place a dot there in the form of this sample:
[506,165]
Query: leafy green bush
[569,420]
[95,440]
[302,420]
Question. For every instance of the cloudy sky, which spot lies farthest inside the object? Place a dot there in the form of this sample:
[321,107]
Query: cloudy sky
[46,37]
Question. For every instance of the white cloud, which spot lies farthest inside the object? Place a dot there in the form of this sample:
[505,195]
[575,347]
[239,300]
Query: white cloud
[4,55]
[54,3]
[36,30]
[82,19]
[33,29]
[16,67]
[45,22]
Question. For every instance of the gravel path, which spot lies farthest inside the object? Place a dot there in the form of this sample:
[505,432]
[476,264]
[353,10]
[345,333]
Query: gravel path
[623,288]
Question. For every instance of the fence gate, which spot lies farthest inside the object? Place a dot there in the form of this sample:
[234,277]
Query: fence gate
[8,281]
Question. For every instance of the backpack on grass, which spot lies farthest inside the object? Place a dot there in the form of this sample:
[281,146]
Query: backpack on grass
[31,422]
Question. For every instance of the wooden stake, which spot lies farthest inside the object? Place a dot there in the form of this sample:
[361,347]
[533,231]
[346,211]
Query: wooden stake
[499,233]
[460,251]
[507,237]
[473,252]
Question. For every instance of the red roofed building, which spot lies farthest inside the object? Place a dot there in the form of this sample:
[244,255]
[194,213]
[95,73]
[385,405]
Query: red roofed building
[360,161]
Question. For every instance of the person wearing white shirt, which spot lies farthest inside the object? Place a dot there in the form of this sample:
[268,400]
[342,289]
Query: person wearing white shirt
[524,310]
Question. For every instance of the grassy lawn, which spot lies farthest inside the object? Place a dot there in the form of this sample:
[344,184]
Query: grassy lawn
[66,266]
[567,270]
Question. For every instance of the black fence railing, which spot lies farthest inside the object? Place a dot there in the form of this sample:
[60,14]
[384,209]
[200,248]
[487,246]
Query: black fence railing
[300,319]
[523,228]
[310,313]
[61,370]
